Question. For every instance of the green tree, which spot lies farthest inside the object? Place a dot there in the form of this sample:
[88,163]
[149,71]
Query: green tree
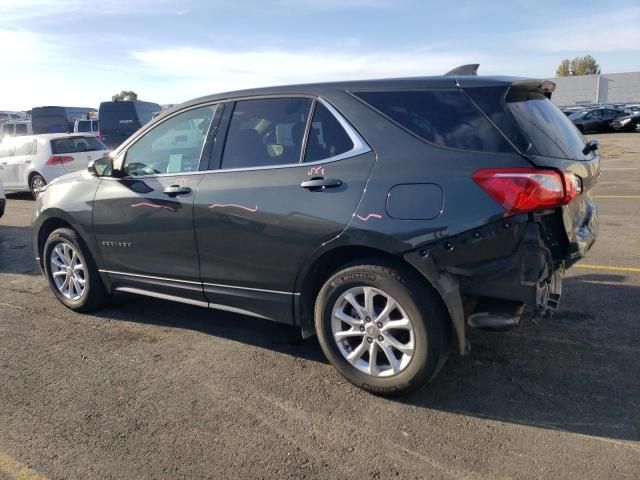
[124,95]
[564,69]
[586,65]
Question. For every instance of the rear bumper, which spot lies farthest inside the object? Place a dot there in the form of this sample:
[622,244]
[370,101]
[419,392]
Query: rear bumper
[517,261]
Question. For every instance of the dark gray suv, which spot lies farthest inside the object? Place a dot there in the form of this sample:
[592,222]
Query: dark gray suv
[387,217]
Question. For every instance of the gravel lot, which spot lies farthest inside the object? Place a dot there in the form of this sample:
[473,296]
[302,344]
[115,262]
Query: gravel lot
[152,389]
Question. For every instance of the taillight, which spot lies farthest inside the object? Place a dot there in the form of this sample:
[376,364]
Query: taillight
[59,159]
[521,190]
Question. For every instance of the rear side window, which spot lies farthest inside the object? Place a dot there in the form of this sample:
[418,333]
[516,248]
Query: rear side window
[443,117]
[266,132]
[326,137]
[76,145]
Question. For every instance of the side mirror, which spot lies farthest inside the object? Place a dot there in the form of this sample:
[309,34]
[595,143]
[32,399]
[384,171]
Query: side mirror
[101,167]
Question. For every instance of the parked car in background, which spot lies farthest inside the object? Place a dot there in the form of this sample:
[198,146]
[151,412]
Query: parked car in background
[119,120]
[15,129]
[628,123]
[596,120]
[30,162]
[57,119]
[388,217]
[3,198]
[87,126]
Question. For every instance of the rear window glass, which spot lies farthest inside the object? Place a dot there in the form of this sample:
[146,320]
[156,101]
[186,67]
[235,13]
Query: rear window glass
[550,131]
[443,117]
[21,129]
[84,126]
[326,138]
[76,145]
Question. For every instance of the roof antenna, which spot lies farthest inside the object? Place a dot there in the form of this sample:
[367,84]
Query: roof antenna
[470,69]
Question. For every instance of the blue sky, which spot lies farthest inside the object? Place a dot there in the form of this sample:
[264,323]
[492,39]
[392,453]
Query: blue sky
[77,52]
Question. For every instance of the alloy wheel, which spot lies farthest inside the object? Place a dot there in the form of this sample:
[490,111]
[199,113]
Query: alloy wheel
[68,271]
[372,331]
[37,184]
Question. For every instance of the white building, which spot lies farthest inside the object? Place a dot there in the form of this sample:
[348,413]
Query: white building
[603,88]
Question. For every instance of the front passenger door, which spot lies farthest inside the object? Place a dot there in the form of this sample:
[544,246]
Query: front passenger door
[143,222]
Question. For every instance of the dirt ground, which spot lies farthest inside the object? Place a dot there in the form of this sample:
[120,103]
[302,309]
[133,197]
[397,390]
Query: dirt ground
[152,389]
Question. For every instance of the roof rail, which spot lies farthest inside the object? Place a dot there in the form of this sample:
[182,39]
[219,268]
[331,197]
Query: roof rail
[469,69]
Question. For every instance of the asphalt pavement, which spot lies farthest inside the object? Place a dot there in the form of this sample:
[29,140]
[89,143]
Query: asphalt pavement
[152,389]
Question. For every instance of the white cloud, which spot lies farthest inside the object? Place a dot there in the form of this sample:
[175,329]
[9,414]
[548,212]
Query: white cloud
[337,4]
[223,70]
[614,31]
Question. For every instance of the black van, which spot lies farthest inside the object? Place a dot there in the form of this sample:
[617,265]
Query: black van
[118,120]
[57,119]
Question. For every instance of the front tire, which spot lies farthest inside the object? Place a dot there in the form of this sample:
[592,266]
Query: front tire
[36,184]
[72,273]
[382,328]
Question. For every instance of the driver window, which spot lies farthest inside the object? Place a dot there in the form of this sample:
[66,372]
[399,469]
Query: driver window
[174,146]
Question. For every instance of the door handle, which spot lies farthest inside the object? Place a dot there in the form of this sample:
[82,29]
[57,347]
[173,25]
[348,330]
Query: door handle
[320,184]
[175,190]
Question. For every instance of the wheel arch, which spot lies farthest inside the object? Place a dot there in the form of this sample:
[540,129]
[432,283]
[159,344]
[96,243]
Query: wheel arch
[53,222]
[314,274]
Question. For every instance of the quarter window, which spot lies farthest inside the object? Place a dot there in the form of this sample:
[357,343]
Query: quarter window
[173,146]
[266,132]
[326,137]
[442,117]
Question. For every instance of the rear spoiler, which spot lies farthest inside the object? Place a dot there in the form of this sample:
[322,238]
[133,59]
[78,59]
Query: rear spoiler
[544,86]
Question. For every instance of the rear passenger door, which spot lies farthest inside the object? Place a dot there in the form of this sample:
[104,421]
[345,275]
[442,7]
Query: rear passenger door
[267,205]
[18,163]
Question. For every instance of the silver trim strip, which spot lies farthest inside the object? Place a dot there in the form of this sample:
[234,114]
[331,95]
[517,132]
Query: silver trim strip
[163,296]
[250,288]
[151,277]
[217,306]
[359,147]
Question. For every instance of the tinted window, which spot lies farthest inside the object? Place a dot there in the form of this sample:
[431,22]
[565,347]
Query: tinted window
[444,117]
[172,146]
[266,132]
[549,130]
[84,126]
[326,138]
[491,100]
[76,145]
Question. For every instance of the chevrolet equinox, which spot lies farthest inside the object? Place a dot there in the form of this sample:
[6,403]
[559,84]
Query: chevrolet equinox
[387,217]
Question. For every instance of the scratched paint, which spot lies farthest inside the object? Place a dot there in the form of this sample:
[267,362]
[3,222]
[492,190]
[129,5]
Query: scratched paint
[371,215]
[152,205]
[234,205]
[316,171]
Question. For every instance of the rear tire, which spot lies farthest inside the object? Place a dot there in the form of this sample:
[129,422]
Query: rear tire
[72,273]
[398,319]
[36,184]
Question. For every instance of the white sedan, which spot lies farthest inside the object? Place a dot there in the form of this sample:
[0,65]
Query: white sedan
[29,162]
